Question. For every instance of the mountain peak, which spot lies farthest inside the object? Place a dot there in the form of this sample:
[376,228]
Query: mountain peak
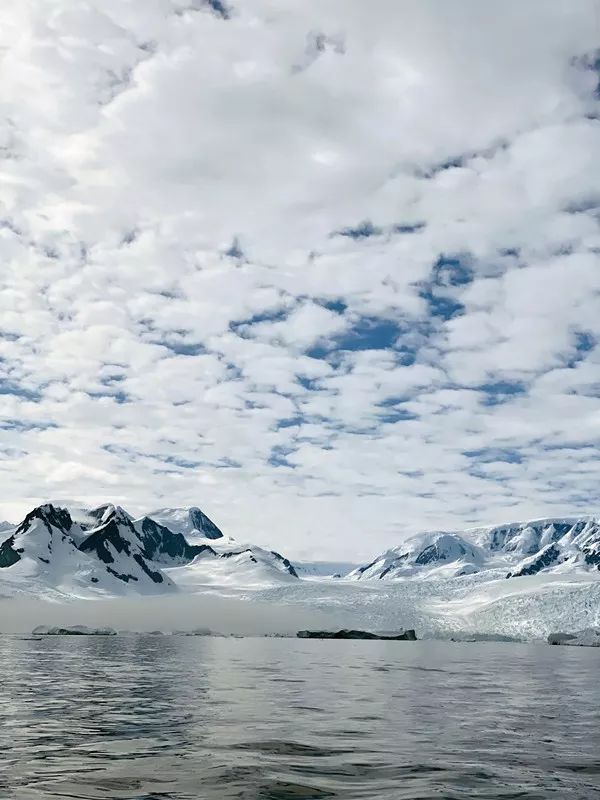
[189,521]
[50,515]
[108,511]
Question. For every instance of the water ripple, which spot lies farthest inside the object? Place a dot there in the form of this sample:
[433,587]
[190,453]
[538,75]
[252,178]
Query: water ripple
[182,718]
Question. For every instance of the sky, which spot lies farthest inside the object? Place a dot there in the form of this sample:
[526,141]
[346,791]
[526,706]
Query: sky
[328,270]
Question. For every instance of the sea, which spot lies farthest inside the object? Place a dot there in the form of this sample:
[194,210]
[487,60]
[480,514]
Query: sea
[151,717]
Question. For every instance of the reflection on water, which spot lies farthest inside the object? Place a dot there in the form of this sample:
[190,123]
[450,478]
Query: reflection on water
[154,718]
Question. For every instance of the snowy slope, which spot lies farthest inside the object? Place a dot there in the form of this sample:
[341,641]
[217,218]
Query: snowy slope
[41,557]
[108,552]
[559,545]
[191,522]
[223,559]
[234,565]
[324,569]
[121,547]
[426,555]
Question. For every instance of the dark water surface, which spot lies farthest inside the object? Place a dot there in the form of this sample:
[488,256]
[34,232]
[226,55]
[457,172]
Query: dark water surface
[182,717]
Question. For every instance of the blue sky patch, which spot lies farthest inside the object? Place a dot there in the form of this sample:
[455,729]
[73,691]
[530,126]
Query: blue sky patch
[364,230]
[498,392]
[366,333]
[278,456]
[489,455]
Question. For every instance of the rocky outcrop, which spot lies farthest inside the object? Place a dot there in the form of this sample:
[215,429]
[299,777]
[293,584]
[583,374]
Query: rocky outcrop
[405,636]
[72,630]
[162,545]
[590,637]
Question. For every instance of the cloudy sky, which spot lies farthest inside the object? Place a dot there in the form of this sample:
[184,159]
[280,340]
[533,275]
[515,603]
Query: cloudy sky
[326,268]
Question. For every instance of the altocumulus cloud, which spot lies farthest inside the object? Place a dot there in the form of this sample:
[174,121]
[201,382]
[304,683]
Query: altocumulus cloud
[329,270]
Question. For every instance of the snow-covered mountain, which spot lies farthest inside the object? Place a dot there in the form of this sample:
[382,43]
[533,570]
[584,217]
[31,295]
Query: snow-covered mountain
[47,551]
[514,550]
[190,522]
[109,552]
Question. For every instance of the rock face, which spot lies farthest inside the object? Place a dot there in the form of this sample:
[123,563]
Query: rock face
[118,543]
[72,630]
[590,637]
[406,636]
[163,546]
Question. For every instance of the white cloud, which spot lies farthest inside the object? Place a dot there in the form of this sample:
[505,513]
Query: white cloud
[183,225]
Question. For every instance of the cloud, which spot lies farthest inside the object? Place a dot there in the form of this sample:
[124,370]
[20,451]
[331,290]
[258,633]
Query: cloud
[330,274]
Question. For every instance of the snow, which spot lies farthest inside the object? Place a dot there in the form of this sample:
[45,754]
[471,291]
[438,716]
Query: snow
[108,553]
[430,555]
[51,563]
[189,521]
[590,637]
[441,583]
[235,565]
[315,570]
[528,607]
[555,544]
[72,630]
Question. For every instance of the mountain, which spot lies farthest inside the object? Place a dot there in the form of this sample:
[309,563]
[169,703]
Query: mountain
[121,546]
[232,564]
[191,522]
[444,554]
[42,554]
[226,561]
[107,551]
[513,550]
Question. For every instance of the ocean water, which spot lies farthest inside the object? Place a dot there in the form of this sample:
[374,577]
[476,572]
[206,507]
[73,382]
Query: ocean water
[166,717]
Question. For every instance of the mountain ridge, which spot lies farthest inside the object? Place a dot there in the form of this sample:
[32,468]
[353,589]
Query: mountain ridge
[110,552]
[517,548]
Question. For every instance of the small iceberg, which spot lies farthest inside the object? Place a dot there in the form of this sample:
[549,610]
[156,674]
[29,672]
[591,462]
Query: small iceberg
[71,630]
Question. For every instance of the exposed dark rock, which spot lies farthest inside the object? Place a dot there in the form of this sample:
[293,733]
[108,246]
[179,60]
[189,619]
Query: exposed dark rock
[406,636]
[590,637]
[51,516]
[156,576]
[121,575]
[592,555]
[161,544]
[548,556]
[205,525]
[286,563]
[9,555]
[109,533]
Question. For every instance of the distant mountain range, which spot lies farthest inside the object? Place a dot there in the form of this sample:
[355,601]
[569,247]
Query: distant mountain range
[105,551]
[512,550]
